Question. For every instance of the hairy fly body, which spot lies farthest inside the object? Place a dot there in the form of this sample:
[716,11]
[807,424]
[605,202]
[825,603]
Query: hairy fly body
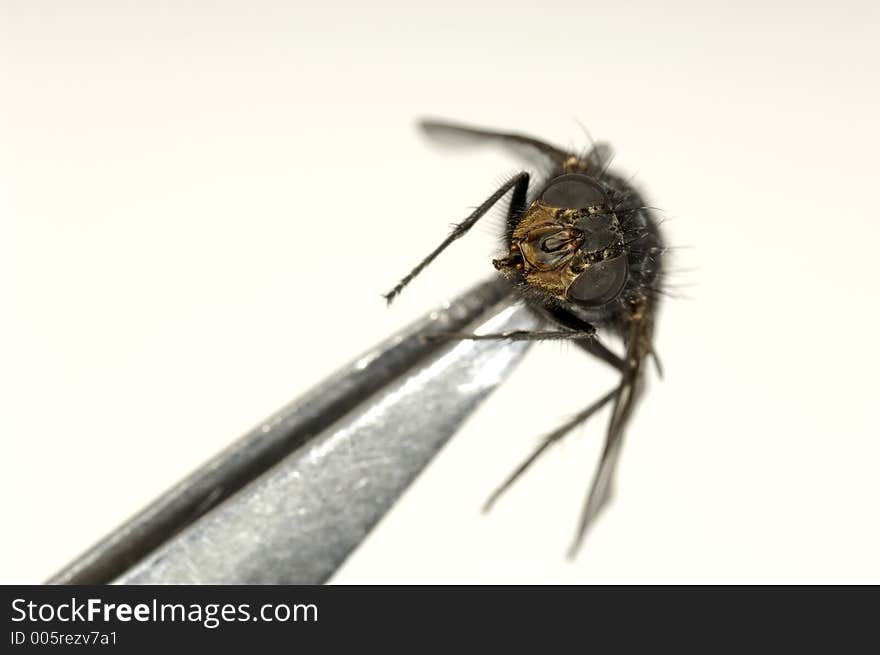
[584,251]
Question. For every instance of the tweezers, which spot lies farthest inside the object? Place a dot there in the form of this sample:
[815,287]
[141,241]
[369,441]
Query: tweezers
[289,501]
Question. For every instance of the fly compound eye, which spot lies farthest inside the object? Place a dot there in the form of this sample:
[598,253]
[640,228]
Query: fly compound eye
[573,191]
[599,283]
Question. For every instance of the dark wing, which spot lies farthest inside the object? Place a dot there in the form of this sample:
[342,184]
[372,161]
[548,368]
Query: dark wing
[637,336]
[449,132]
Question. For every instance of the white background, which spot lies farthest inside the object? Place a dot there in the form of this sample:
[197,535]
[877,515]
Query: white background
[201,203]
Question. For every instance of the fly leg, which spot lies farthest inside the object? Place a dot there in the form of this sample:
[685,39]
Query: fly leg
[519,183]
[545,443]
[593,346]
[577,330]
[515,335]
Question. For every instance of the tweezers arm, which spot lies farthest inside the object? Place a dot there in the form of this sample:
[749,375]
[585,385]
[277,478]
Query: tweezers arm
[296,523]
[297,424]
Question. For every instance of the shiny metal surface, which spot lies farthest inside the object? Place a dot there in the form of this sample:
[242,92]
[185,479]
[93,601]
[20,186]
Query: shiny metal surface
[298,522]
[404,354]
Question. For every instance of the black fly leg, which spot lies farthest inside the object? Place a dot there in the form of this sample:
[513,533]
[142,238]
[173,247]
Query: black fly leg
[515,335]
[519,183]
[551,438]
[593,346]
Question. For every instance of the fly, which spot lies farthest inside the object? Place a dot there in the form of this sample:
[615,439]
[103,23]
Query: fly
[584,252]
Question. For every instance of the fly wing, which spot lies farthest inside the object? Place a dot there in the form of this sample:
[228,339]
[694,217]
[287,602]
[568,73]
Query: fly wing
[455,133]
[638,346]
